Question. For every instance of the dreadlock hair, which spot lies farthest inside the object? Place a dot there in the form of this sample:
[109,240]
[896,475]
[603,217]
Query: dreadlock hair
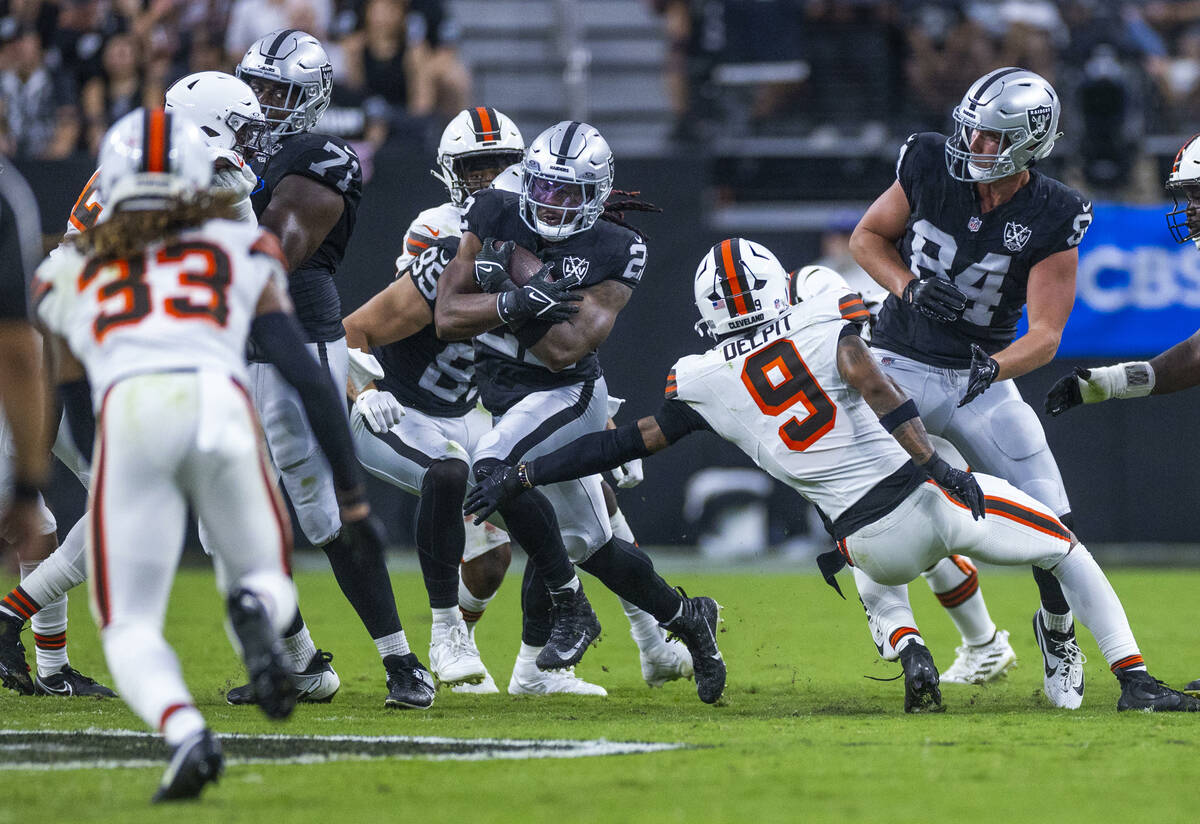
[127,234]
[614,210]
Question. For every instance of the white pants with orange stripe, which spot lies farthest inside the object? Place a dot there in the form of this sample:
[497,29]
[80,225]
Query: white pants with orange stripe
[1017,530]
[167,441]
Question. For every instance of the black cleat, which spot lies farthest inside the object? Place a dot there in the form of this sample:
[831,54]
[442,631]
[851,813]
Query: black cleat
[1193,689]
[921,693]
[194,763]
[262,654]
[14,671]
[410,685]
[575,626]
[315,684]
[696,627]
[1142,691]
[70,682]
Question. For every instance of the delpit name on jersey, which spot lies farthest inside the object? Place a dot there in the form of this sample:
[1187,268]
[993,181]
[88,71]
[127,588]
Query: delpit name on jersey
[769,331]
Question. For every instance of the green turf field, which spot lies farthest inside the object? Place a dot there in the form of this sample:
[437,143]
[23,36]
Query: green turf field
[801,735]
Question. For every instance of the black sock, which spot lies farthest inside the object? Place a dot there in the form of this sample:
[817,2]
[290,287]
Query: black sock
[440,532]
[1050,589]
[362,574]
[535,608]
[629,572]
[296,625]
[531,521]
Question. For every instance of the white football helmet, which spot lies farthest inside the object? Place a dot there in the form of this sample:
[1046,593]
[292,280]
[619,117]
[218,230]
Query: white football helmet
[1017,104]
[510,179]
[298,75]
[224,108]
[568,176]
[150,159]
[739,284]
[476,140]
[1184,185]
[809,281]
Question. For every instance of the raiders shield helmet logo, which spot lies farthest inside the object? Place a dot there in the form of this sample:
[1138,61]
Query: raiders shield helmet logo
[575,268]
[1039,121]
[1016,236]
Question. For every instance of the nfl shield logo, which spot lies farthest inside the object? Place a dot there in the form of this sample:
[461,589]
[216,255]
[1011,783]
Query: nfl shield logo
[1039,121]
[1016,236]
[974,223]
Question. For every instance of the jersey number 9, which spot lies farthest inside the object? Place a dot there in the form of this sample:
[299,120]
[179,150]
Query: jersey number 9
[777,378]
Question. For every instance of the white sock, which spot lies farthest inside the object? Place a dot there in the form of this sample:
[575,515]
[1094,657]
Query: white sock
[528,654]
[394,644]
[620,527]
[146,673]
[444,618]
[955,582]
[1091,595]
[1057,623]
[646,632]
[472,607]
[891,610]
[299,649]
[182,724]
[49,626]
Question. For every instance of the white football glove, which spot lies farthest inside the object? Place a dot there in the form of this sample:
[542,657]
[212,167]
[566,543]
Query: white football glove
[231,173]
[629,474]
[380,410]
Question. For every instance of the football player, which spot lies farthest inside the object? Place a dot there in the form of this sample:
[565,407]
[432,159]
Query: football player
[1170,371]
[797,389]
[309,194]
[968,235]
[175,426]
[541,379]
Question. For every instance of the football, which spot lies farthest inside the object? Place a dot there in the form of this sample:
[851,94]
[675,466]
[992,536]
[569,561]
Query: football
[522,265]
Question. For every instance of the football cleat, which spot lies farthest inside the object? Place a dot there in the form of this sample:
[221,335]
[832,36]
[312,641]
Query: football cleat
[667,661]
[194,763]
[1142,691]
[527,679]
[14,671]
[453,656]
[70,682]
[982,663]
[315,684]
[262,654]
[921,693]
[410,686]
[1193,688]
[575,626]
[485,687]
[1063,661]
[696,626]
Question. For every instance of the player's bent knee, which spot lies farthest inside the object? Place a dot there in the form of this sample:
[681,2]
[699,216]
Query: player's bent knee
[288,433]
[446,478]
[1016,430]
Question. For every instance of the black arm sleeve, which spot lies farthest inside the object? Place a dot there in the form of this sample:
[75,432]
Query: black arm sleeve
[676,418]
[76,398]
[588,455]
[20,244]
[279,339]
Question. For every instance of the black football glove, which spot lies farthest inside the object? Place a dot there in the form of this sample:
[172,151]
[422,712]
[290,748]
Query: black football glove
[497,489]
[1066,392]
[541,298]
[961,485]
[491,265]
[935,298]
[983,371]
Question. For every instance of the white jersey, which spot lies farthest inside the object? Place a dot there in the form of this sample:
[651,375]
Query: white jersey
[430,225]
[778,395]
[183,305]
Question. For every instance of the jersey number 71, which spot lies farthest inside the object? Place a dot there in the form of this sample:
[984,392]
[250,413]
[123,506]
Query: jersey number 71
[777,378]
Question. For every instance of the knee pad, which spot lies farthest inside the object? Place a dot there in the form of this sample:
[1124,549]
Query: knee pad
[287,432]
[1016,430]
[447,478]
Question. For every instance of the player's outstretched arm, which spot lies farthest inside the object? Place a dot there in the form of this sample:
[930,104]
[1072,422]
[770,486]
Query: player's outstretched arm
[302,213]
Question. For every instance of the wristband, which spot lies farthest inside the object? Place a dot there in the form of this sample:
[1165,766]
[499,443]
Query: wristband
[904,412]
[523,476]
[23,491]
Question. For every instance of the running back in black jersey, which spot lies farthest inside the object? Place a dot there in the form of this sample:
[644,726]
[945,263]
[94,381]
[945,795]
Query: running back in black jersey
[987,256]
[424,372]
[505,369]
[331,161]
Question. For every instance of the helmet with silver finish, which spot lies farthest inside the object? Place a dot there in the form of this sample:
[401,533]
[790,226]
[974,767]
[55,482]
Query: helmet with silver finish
[475,143]
[739,284]
[224,108]
[151,159]
[292,78]
[1184,185]
[1021,108]
[568,176]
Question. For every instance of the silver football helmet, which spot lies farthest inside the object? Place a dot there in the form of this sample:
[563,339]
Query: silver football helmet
[1184,185]
[1019,106]
[568,175]
[291,74]
[738,285]
[475,142]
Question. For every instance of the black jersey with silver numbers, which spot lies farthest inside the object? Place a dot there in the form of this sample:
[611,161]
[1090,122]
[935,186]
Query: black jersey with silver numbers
[331,161]
[423,372]
[987,256]
[505,369]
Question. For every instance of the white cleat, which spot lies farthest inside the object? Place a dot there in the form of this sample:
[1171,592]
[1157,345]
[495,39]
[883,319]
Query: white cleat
[527,679]
[982,663]
[485,687]
[453,656]
[1063,661]
[668,661]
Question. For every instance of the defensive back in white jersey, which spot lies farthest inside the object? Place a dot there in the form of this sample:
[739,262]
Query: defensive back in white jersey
[184,304]
[778,395]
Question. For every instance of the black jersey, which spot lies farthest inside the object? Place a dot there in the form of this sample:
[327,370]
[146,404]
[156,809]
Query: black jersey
[423,372]
[505,368]
[987,256]
[331,161]
[20,244]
